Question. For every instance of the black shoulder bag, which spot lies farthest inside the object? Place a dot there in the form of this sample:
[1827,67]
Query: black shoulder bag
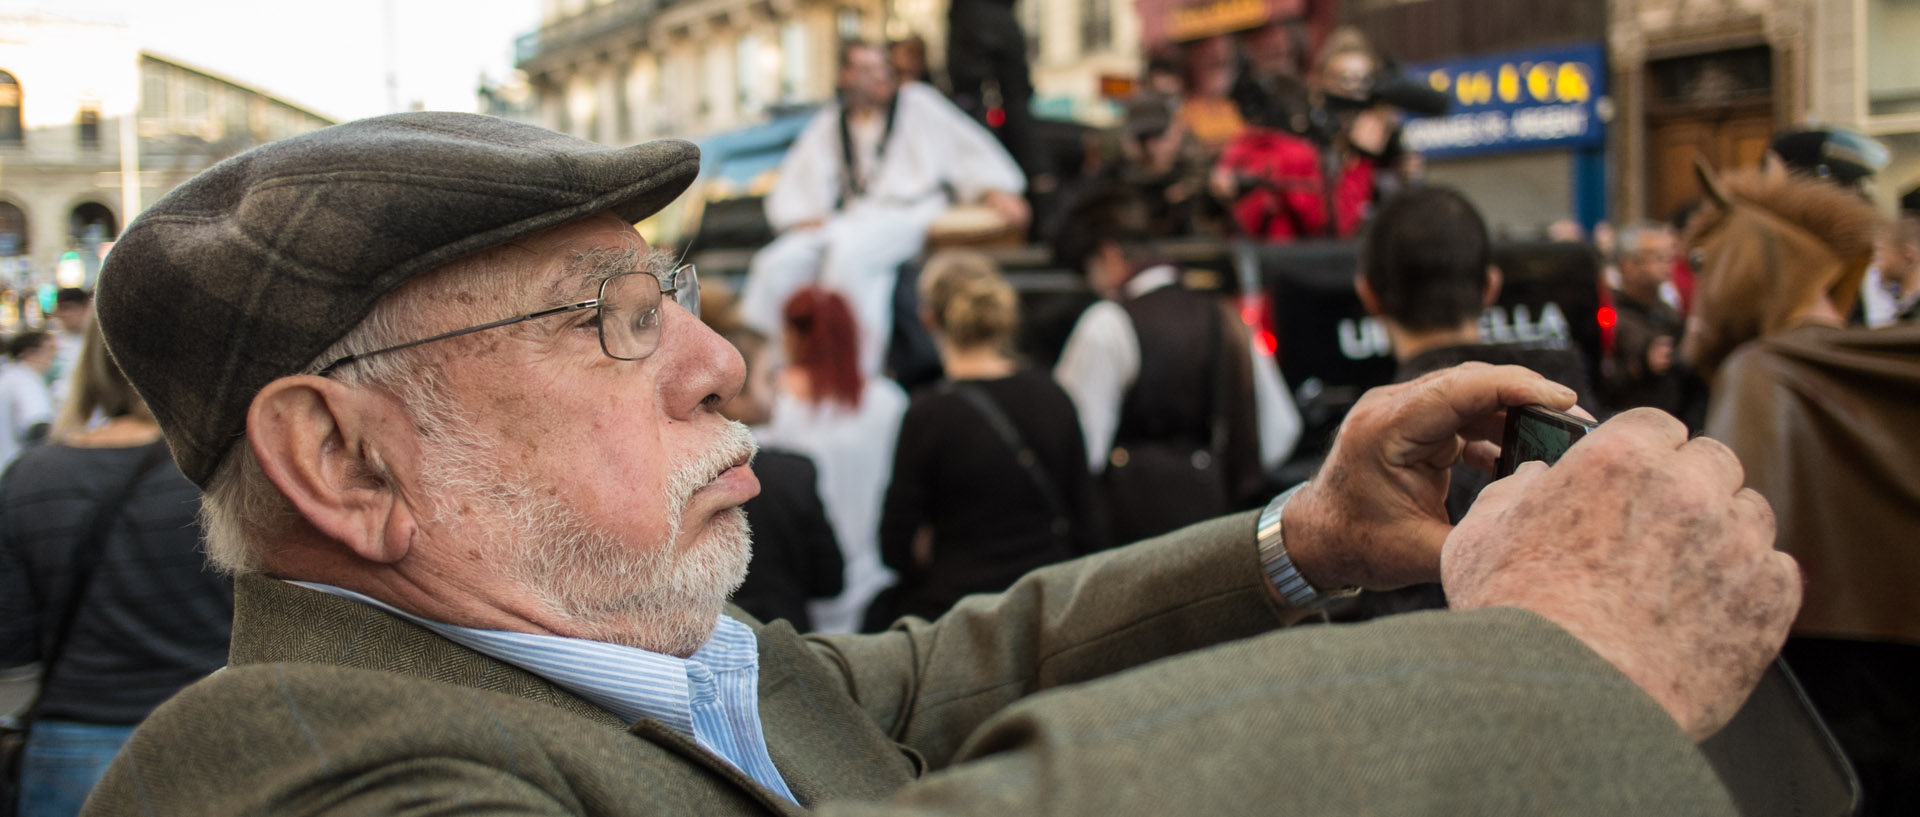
[13,735]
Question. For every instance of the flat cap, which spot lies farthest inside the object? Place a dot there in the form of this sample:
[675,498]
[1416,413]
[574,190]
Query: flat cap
[250,270]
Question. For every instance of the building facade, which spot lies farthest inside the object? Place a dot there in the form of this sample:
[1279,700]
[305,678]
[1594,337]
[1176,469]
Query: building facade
[1528,132]
[1706,79]
[622,71]
[92,129]
[1866,75]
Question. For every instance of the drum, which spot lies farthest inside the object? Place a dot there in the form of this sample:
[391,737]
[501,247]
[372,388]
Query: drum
[972,225]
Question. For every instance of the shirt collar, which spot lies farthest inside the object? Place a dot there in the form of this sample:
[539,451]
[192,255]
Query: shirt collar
[630,682]
[1150,279]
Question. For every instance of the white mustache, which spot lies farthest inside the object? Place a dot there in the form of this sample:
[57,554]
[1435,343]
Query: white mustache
[735,446]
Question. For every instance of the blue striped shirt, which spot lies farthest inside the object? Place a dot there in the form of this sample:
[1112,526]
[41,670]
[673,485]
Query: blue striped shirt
[712,696]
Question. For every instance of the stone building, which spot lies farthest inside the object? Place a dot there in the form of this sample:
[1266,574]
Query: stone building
[621,71]
[92,129]
[1707,78]
[1864,72]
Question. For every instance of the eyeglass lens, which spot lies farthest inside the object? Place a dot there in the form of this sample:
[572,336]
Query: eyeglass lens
[630,310]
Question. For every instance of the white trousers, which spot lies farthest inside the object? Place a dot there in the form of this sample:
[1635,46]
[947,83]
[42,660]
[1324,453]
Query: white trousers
[857,253]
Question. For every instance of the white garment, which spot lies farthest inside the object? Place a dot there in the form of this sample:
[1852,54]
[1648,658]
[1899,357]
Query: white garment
[1878,302]
[24,403]
[934,148]
[1102,359]
[66,358]
[853,452]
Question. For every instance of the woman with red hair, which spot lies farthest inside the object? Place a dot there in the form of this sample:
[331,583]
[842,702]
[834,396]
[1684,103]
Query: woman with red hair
[847,424]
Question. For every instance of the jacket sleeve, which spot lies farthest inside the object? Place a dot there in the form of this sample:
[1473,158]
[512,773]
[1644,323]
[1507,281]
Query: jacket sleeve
[930,684]
[1020,703]
[1487,712]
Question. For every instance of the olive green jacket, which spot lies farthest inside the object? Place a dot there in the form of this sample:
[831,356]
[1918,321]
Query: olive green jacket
[1136,681]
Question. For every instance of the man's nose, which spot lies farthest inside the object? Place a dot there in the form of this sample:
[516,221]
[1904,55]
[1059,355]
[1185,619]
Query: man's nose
[700,370]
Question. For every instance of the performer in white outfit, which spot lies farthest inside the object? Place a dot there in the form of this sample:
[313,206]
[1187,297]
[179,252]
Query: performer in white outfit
[859,188]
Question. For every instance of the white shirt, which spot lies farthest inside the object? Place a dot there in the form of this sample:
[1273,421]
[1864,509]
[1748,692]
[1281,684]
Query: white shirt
[934,146]
[1102,360]
[853,451]
[24,403]
[1877,300]
[66,358]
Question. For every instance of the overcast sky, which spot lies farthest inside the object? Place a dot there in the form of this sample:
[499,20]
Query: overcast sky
[333,58]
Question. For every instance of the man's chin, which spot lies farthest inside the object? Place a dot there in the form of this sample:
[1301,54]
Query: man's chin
[678,618]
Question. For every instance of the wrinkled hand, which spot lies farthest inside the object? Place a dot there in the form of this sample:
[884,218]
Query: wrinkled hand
[1643,545]
[1375,516]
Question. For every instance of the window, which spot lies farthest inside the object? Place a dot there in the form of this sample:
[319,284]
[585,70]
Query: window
[1893,65]
[1096,25]
[793,60]
[1030,12]
[848,24]
[11,132]
[716,87]
[153,91]
[89,122]
[234,111]
[193,103]
[746,64]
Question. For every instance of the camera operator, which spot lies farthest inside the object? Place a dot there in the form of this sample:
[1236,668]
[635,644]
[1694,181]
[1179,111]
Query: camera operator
[1295,176]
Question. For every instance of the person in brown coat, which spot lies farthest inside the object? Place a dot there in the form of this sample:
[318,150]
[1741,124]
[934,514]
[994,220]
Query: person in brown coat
[1823,419]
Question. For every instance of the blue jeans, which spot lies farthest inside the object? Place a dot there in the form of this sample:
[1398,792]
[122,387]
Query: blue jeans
[63,761]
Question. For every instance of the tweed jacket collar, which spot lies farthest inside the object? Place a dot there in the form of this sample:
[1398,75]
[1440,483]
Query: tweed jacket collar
[278,622]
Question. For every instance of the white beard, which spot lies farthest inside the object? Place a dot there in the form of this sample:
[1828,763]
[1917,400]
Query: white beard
[652,595]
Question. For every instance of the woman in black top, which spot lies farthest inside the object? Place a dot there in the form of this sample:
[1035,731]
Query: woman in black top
[151,617]
[989,477]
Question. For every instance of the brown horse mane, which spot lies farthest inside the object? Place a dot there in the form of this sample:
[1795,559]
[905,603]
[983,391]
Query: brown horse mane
[1840,219]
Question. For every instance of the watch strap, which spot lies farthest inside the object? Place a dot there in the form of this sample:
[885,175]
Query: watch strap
[1279,564]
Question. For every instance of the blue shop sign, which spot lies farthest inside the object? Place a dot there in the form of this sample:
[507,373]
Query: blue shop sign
[1545,98]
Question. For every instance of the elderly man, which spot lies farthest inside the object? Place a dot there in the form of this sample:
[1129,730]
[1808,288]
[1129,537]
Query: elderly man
[459,436]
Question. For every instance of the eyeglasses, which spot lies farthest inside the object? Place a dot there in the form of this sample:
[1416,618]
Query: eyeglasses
[627,314]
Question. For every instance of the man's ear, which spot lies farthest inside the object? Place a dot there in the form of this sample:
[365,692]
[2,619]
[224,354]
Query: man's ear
[1494,281]
[320,443]
[1368,298]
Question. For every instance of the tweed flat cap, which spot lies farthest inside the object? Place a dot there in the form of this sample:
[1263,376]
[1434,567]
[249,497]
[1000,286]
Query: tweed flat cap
[250,270]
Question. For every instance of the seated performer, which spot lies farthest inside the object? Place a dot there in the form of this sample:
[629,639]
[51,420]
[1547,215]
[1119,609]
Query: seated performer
[859,188]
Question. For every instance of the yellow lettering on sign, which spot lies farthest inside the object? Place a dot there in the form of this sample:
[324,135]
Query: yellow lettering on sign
[1218,17]
[1439,81]
[1509,84]
[1474,88]
[1540,81]
[1572,83]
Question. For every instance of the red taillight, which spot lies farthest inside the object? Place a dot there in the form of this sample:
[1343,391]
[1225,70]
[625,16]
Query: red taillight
[1607,317]
[996,117]
[1258,316]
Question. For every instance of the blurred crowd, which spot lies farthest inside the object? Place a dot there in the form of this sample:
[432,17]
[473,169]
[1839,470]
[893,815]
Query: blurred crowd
[1778,314]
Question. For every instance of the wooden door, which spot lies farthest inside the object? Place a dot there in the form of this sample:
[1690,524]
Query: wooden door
[1726,142]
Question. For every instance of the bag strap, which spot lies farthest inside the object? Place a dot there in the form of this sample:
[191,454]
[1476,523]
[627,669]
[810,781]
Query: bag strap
[1024,454]
[87,556]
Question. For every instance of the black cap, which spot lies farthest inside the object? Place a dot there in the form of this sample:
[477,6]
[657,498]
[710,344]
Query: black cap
[1839,154]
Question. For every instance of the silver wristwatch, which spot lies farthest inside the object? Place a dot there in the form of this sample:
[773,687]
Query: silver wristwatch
[1279,566]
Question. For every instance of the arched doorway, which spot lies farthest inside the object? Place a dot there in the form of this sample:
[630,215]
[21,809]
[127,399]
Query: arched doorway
[91,227]
[13,230]
[11,133]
